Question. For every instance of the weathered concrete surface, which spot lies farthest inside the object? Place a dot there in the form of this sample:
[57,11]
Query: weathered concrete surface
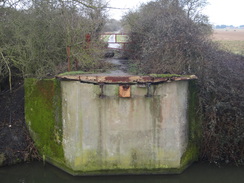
[121,133]
[88,129]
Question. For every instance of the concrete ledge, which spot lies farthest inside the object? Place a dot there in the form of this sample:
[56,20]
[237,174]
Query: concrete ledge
[153,78]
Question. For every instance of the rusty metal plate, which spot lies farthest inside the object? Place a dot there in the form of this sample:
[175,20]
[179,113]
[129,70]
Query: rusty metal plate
[125,91]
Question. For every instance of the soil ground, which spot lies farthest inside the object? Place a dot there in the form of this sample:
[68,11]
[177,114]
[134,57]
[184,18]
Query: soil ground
[120,68]
[15,143]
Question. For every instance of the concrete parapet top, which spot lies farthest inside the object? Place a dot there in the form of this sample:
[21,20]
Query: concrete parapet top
[98,79]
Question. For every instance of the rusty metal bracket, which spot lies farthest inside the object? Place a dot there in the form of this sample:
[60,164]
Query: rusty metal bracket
[101,85]
[148,85]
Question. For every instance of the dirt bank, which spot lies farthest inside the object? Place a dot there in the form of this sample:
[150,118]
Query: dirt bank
[15,143]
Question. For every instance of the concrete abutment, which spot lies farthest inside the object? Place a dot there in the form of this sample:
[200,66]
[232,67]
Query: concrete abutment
[97,125]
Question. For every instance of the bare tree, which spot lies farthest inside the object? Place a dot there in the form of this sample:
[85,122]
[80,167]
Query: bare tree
[193,8]
[35,34]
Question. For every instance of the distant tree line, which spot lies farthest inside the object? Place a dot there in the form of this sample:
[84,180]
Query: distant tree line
[228,26]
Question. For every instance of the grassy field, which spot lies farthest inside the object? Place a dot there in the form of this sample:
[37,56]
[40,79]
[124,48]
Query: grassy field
[122,38]
[230,39]
[119,38]
[105,38]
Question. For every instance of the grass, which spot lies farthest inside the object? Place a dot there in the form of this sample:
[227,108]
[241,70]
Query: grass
[165,75]
[120,38]
[236,47]
[74,73]
[105,38]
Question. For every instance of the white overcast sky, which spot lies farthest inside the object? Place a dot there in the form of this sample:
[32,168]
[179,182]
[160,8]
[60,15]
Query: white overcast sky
[228,12]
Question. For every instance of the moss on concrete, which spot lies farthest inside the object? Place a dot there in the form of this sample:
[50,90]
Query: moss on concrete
[74,73]
[194,114]
[165,75]
[194,119]
[43,113]
[190,155]
[91,164]
[119,171]
[2,159]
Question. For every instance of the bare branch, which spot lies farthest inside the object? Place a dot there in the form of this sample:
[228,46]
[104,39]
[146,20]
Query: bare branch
[9,72]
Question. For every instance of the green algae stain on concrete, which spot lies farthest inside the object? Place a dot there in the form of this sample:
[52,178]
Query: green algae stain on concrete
[2,158]
[120,135]
[165,75]
[44,116]
[194,114]
[85,134]
[194,119]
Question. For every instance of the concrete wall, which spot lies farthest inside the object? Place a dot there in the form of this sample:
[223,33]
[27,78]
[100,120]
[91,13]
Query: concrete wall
[124,133]
[83,133]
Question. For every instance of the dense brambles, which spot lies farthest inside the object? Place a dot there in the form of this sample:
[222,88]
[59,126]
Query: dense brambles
[166,40]
[221,95]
